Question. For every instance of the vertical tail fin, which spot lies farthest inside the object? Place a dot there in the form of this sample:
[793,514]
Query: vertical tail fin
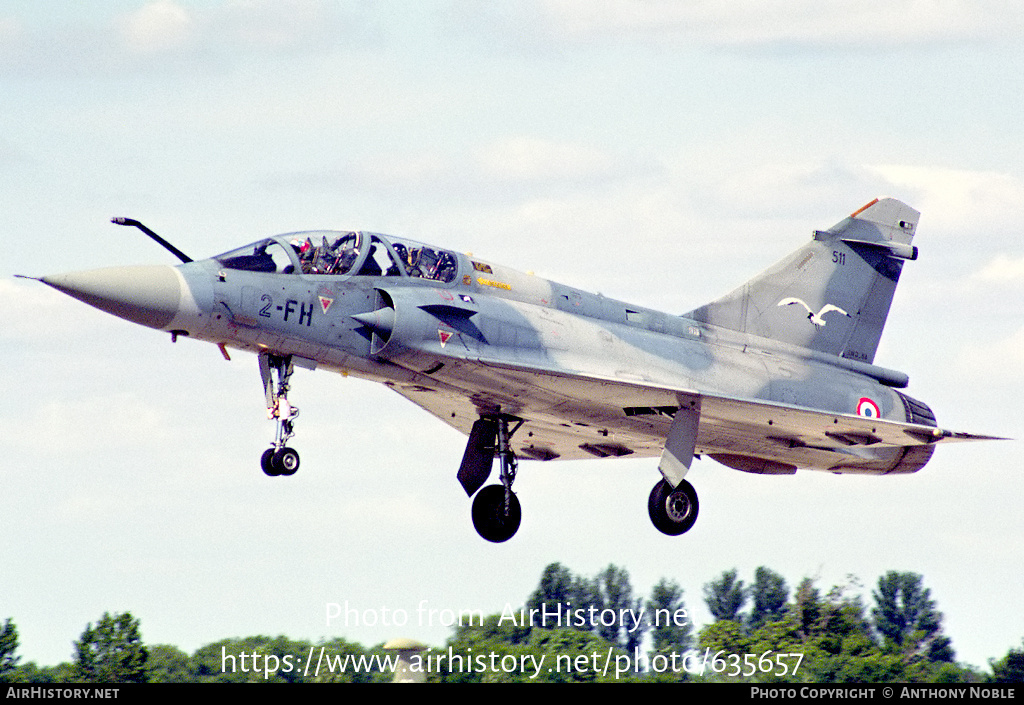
[833,294]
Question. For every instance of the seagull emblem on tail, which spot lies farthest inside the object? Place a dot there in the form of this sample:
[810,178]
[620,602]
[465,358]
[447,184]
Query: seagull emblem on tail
[815,318]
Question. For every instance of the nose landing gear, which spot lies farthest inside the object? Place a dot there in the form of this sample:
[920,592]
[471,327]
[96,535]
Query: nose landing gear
[279,459]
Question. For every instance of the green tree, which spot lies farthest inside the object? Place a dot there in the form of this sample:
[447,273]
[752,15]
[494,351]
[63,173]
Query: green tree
[61,673]
[906,617]
[265,659]
[8,648]
[1010,668]
[671,628]
[499,651]
[827,638]
[806,606]
[169,664]
[555,590]
[335,651]
[725,597]
[617,595]
[830,634]
[839,640]
[112,651]
[586,593]
[560,594]
[769,595]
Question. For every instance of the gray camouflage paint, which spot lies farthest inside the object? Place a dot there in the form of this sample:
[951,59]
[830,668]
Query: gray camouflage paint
[778,372]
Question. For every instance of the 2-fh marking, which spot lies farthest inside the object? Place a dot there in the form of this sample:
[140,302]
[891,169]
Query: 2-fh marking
[289,309]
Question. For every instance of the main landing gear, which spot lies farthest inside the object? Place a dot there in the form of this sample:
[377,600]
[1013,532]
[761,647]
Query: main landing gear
[673,511]
[496,510]
[279,459]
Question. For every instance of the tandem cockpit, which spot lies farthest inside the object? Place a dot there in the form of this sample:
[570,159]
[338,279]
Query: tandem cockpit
[330,252]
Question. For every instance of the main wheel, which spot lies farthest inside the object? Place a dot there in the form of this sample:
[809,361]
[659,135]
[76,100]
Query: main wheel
[267,463]
[490,519]
[286,461]
[673,511]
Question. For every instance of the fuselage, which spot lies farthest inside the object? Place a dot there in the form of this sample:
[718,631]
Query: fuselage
[457,327]
[775,376]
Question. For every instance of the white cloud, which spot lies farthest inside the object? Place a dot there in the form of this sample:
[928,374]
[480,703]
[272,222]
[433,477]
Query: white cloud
[177,34]
[31,309]
[1002,270]
[277,24]
[960,200]
[10,30]
[788,189]
[518,168]
[955,203]
[55,427]
[851,23]
[254,24]
[997,362]
[525,159]
[158,26]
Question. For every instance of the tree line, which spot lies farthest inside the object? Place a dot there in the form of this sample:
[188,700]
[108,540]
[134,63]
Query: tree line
[571,625]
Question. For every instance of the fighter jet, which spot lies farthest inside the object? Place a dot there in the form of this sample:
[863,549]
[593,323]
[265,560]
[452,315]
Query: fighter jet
[529,368]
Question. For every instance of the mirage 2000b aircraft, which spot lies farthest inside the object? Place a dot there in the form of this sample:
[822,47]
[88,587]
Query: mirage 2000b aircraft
[775,376]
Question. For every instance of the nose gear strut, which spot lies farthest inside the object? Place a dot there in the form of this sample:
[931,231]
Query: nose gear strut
[279,459]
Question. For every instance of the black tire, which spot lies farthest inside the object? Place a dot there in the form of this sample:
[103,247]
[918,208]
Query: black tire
[267,463]
[286,461]
[673,511]
[490,518]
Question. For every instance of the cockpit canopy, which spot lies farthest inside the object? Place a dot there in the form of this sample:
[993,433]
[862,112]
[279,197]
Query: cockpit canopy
[330,252]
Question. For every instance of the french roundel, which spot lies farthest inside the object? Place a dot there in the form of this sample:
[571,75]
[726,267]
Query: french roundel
[868,408]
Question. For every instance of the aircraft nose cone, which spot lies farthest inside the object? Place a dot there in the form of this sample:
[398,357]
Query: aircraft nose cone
[147,295]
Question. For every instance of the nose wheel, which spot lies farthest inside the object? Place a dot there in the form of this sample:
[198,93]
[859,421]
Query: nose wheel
[276,372]
[280,462]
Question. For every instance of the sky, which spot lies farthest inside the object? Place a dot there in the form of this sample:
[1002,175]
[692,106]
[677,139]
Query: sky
[660,153]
